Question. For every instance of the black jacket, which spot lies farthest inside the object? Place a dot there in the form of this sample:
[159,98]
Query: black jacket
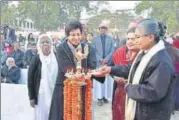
[27,58]
[154,94]
[34,76]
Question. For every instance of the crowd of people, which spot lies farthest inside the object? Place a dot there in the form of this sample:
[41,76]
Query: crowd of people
[140,73]
[21,49]
[20,57]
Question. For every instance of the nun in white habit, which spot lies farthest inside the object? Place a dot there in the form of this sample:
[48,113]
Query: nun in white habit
[42,74]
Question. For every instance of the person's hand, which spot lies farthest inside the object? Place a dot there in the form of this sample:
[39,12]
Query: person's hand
[105,70]
[101,72]
[103,62]
[97,73]
[32,103]
[88,76]
[125,87]
[120,80]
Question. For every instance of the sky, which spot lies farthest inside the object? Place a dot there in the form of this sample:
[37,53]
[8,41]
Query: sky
[115,5]
[118,5]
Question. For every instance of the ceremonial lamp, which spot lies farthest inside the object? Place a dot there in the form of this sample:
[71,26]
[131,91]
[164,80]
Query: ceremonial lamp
[77,106]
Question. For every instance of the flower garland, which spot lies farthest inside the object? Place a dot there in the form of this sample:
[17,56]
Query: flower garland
[88,100]
[73,100]
[65,92]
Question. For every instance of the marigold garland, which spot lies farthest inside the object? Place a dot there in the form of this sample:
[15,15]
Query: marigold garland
[69,97]
[88,100]
[73,100]
[65,98]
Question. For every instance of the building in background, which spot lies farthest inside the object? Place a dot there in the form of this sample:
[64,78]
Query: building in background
[24,25]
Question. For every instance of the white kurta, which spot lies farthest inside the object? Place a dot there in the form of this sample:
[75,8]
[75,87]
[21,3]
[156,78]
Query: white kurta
[103,90]
[41,110]
[49,71]
[48,78]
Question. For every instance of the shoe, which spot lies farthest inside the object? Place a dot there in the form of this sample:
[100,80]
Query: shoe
[100,102]
[105,100]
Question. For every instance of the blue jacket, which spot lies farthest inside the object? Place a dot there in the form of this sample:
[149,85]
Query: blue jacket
[109,48]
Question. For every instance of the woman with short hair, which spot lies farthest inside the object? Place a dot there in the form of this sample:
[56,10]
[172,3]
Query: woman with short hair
[67,60]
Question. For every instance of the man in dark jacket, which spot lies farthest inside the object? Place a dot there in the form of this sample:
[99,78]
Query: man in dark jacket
[29,54]
[9,34]
[18,55]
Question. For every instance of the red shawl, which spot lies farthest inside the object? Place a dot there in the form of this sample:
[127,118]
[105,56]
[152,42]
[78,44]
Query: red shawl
[120,57]
[176,43]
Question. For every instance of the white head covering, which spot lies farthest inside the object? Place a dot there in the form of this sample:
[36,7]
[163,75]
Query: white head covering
[8,59]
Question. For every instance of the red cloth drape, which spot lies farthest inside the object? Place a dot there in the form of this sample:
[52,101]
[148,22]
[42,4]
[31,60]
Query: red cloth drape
[118,106]
[176,43]
[120,57]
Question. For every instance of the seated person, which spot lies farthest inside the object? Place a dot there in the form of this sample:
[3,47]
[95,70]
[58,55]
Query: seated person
[10,73]
[18,55]
[29,54]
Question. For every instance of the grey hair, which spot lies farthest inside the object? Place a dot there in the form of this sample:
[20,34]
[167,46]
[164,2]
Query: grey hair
[150,26]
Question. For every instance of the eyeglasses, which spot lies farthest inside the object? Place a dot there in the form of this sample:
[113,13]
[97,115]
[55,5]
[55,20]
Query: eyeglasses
[130,38]
[137,37]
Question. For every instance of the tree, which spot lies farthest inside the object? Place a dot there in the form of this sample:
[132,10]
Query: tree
[43,13]
[118,20]
[68,10]
[54,14]
[165,11]
[8,12]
